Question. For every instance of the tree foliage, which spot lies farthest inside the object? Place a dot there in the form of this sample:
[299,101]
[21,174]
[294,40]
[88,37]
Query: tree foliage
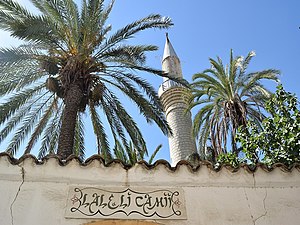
[71,63]
[279,139]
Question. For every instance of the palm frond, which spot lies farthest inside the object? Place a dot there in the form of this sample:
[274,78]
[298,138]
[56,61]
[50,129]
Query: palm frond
[14,8]
[16,80]
[114,122]
[51,132]
[200,116]
[120,153]
[128,123]
[158,148]
[151,21]
[21,23]
[254,78]
[40,126]
[126,53]
[13,56]
[99,130]
[26,127]
[7,109]
[151,112]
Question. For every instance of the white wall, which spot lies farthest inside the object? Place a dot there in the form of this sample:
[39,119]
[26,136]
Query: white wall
[39,194]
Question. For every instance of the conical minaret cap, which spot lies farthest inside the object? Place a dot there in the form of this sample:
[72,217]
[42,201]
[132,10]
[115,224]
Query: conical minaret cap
[171,62]
[169,50]
[170,65]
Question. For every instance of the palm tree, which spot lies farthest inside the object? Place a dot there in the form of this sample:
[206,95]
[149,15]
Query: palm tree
[132,155]
[70,63]
[228,97]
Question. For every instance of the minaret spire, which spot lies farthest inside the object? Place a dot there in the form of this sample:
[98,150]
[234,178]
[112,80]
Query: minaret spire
[170,61]
[174,101]
[169,50]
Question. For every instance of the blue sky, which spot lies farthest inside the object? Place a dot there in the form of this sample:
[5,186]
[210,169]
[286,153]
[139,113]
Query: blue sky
[210,28]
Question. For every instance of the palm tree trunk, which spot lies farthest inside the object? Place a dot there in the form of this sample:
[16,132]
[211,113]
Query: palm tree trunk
[67,132]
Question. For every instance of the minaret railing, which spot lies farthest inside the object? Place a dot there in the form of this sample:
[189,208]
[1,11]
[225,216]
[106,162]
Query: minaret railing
[166,85]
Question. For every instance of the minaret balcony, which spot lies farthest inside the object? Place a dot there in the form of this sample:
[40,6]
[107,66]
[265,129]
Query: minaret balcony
[166,85]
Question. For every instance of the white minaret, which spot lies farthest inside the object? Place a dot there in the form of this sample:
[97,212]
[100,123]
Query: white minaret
[181,143]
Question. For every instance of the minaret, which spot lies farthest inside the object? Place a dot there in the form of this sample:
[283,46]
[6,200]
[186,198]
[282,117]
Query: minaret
[181,143]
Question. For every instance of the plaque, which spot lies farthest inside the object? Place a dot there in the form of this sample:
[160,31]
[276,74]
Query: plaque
[126,203]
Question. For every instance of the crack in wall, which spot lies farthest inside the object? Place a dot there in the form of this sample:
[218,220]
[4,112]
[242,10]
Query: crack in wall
[264,205]
[249,206]
[16,196]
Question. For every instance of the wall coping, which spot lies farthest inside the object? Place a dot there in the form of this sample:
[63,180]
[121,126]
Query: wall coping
[183,163]
[94,172]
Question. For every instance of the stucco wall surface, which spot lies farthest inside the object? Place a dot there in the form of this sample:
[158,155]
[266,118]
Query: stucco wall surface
[33,193]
